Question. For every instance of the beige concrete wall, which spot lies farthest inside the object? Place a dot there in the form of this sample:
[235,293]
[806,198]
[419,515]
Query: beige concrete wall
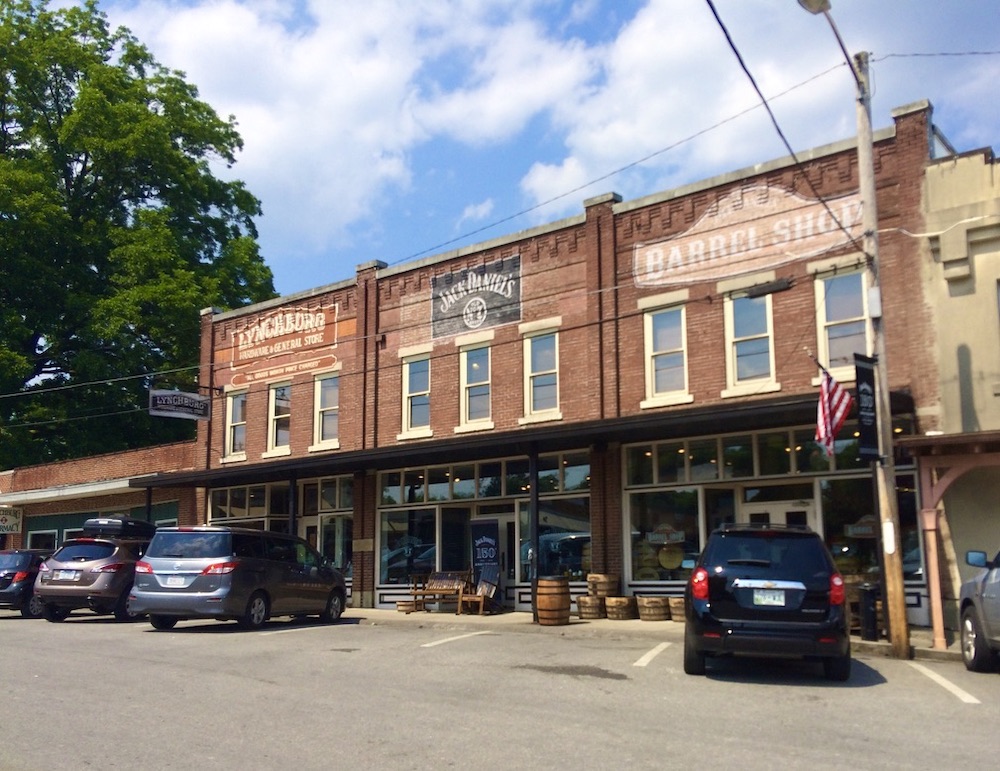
[962,199]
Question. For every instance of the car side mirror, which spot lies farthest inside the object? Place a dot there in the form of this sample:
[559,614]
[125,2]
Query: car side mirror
[976,559]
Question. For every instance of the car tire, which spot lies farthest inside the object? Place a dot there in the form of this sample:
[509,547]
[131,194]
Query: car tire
[163,623]
[54,613]
[837,668]
[694,659]
[256,612]
[122,610]
[334,608]
[33,608]
[975,652]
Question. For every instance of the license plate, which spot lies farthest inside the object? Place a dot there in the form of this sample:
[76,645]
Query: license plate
[770,597]
[175,580]
[65,575]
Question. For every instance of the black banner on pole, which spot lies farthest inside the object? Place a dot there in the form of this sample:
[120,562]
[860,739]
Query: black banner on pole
[864,369]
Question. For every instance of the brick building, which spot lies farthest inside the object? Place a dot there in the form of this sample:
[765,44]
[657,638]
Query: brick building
[590,395]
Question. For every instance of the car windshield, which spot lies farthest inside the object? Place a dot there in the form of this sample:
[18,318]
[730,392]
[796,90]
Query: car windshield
[84,551]
[189,545]
[14,561]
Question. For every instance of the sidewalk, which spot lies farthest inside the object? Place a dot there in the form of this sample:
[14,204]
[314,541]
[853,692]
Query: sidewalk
[921,638]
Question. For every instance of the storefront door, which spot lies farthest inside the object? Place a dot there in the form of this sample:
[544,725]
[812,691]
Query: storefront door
[793,513]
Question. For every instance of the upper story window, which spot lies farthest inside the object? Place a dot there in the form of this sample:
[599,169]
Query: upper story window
[541,371]
[416,396]
[842,321]
[749,346]
[279,430]
[236,425]
[665,345]
[326,406]
[476,411]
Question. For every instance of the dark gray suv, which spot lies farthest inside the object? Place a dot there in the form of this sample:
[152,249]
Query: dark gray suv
[766,591]
[230,573]
[979,605]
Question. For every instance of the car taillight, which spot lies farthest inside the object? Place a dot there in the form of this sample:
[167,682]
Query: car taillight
[43,568]
[143,567]
[837,592]
[20,575]
[114,567]
[699,584]
[219,568]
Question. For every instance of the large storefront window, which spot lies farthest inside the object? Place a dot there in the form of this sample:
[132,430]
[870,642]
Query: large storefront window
[407,545]
[563,538]
[665,534]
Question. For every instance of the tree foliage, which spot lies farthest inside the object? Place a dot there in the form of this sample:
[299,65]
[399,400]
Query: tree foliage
[114,233]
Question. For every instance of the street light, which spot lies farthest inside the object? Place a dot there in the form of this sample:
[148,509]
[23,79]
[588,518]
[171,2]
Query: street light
[884,471]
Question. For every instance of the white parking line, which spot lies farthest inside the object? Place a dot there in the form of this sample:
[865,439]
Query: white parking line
[452,639]
[965,696]
[651,655]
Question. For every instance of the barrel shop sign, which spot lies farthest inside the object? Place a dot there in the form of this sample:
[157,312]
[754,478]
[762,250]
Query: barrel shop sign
[177,404]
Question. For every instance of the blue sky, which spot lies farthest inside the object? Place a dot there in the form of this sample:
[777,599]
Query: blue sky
[396,129]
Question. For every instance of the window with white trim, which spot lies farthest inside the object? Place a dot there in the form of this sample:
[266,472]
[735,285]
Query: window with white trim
[541,376]
[476,387]
[236,425]
[665,340]
[279,429]
[326,405]
[417,395]
[749,346]
[842,321]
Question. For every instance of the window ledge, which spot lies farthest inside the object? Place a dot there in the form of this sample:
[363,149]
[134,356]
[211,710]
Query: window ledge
[277,452]
[415,433]
[751,389]
[482,425]
[840,374]
[236,457]
[332,444]
[540,417]
[666,400]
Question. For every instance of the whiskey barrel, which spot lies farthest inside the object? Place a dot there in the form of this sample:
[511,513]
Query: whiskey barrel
[621,608]
[654,608]
[591,607]
[602,584]
[677,609]
[552,601]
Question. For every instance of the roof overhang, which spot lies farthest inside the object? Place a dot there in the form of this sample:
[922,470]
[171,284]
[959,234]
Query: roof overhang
[966,443]
[69,492]
[756,415]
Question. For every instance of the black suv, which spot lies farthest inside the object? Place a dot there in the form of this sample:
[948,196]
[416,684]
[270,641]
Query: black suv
[766,591]
[18,568]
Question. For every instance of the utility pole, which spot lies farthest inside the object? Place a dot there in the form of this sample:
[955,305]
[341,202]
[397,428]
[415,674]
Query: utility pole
[885,471]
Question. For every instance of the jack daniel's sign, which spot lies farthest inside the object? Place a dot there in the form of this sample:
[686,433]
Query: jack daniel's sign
[478,297]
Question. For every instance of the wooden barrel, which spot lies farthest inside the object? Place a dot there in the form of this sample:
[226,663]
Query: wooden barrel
[677,609]
[591,607]
[602,584]
[621,608]
[553,601]
[654,608]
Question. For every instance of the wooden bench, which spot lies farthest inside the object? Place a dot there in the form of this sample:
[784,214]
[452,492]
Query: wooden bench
[442,586]
[486,588]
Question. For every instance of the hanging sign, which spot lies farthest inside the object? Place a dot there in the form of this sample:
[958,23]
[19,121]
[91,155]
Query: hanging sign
[177,404]
[864,368]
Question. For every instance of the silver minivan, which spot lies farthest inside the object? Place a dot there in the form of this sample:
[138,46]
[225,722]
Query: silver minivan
[230,573]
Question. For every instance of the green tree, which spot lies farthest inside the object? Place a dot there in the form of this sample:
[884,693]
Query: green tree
[114,233]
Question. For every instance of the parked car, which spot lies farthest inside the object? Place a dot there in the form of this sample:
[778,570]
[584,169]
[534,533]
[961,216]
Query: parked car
[766,591]
[94,571]
[18,568]
[979,605]
[230,573]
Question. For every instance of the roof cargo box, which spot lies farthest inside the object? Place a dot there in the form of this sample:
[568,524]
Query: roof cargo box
[120,527]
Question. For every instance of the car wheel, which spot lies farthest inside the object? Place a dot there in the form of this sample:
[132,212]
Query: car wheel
[975,653]
[334,608]
[123,608]
[54,613]
[163,622]
[33,608]
[256,612]
[837,668]
[694,659]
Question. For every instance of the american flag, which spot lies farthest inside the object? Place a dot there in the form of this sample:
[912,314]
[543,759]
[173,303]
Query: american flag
[834,404]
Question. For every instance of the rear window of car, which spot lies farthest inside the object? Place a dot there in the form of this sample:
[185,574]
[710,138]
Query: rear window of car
[785,551]
[14,561]
[84,552]
[189,545]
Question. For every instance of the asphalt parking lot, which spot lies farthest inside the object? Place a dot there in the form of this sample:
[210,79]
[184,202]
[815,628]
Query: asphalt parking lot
[436,690]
